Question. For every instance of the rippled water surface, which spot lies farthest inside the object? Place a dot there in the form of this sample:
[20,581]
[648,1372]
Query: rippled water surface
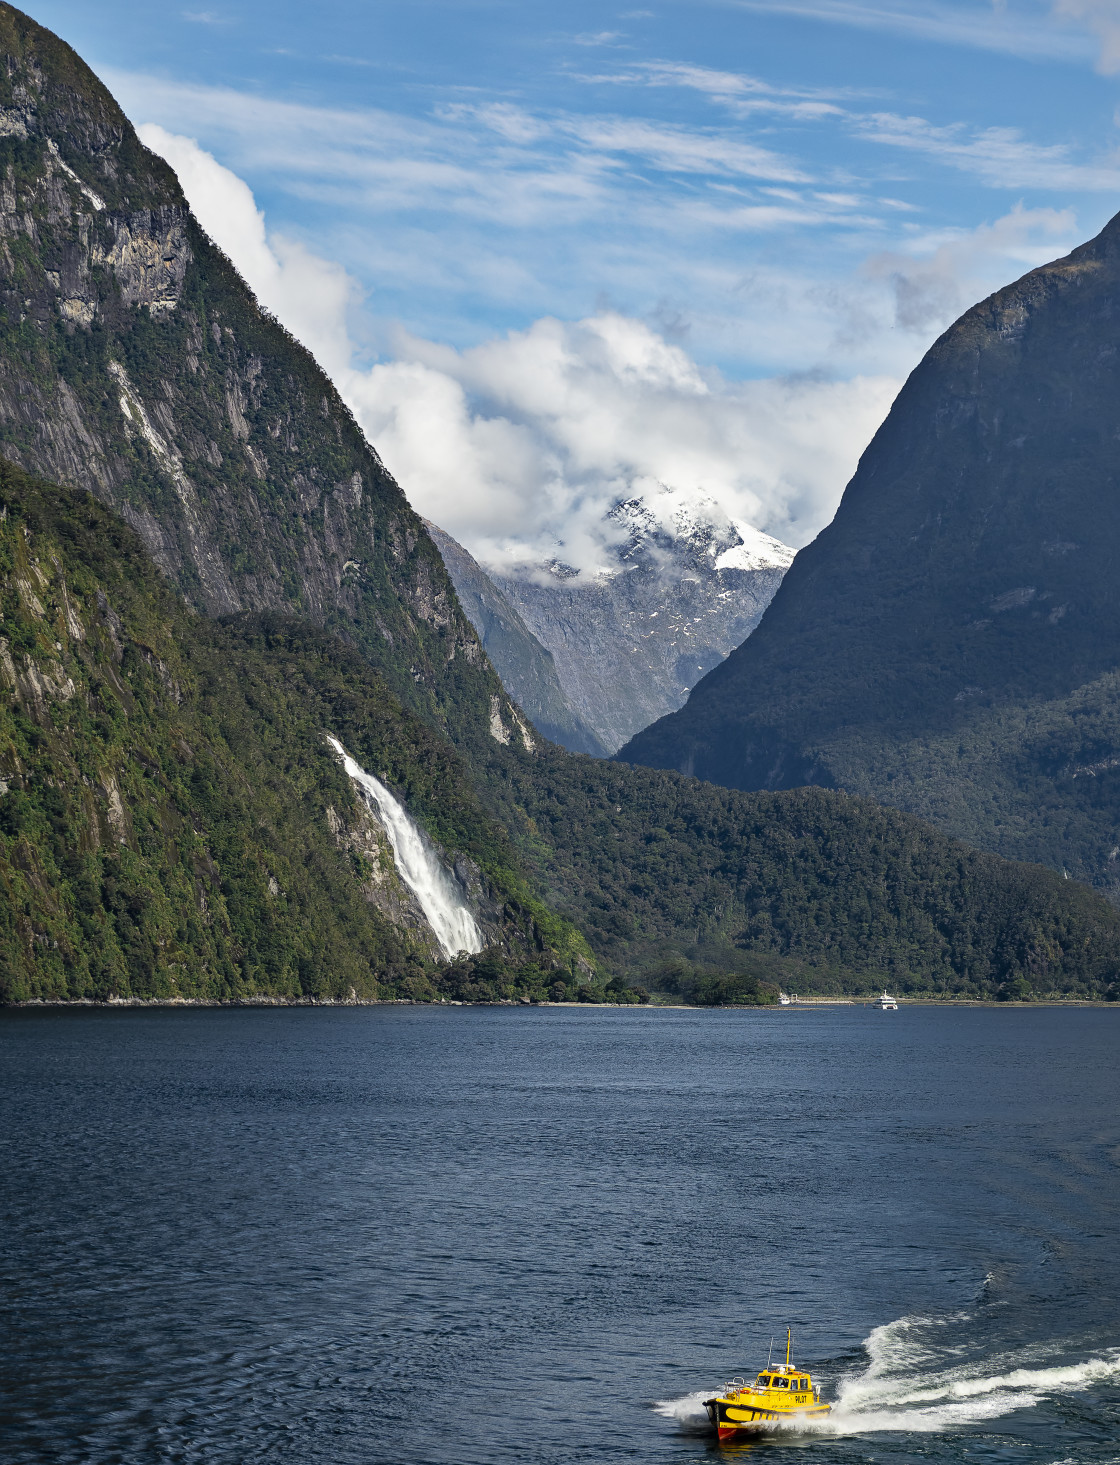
[542,1235]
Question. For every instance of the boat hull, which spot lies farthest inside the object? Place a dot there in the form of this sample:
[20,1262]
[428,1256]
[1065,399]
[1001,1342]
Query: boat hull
[733,1418]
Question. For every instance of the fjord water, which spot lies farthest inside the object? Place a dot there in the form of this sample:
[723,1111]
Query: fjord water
[407,1234]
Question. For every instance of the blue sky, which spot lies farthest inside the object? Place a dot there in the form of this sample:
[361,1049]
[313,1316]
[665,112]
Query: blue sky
[554,253]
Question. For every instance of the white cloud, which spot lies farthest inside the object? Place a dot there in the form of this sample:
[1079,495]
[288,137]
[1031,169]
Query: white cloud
[497,211]
[680,149]
[312,296]
[932,287]
[1102,19]
[1000,156]
[517,446]
[740,93]
[1018,30]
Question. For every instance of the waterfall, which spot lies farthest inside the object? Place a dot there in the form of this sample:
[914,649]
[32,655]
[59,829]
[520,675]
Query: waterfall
[418,864]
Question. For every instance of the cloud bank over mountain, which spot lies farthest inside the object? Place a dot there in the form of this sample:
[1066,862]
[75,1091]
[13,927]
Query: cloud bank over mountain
[518,446]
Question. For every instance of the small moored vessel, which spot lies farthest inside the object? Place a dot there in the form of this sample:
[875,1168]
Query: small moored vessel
[778,1396]
[887,1003]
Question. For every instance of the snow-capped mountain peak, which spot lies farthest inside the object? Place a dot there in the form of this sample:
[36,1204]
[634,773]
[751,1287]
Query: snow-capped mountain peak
[755,551]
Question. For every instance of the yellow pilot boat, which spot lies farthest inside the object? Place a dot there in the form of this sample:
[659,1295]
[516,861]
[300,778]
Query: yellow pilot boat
[778,1396]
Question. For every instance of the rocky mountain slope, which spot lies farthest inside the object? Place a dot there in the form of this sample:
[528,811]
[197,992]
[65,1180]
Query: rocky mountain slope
[951,642]
[172,820]
[526,668]
[134,362]
[629,641]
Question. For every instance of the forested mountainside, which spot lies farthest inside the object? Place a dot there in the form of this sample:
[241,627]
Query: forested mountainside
[527,669]
[134,362]
[173,824]
[172,820]
[670,601]
[678,883]
[950,644]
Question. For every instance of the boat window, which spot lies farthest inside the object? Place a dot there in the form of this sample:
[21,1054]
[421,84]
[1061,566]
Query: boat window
[764,1380]
[804,1386]
[782,1383]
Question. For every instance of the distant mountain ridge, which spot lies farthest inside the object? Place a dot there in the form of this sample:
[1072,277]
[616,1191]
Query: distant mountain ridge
[526,668]
[951,642]
[629,641]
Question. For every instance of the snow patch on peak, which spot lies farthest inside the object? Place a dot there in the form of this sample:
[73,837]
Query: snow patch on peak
[756,551]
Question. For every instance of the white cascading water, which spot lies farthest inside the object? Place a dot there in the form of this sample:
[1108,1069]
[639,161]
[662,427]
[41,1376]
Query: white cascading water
[417,864]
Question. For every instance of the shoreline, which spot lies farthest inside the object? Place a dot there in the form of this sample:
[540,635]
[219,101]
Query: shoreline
[807,1004]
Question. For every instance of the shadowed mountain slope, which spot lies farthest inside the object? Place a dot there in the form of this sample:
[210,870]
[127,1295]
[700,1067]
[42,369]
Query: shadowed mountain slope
[675,593]
[526,668]
[951,642]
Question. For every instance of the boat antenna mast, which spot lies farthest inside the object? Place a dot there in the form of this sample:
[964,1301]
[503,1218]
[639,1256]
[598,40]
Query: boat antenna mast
[768,1356]
[789,1344]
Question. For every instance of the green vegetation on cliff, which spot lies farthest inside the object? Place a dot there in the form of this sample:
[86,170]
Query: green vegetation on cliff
[172,822]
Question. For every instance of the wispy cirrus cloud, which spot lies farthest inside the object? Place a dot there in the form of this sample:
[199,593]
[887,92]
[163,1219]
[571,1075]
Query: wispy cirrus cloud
[598,38]
[739,92]
[683,149]
[1102,19]
[1022,29]
[1070,30]
[1000,156]
[497,162]
[718,230]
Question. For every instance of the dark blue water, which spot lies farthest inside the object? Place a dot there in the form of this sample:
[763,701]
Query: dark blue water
[487,1235]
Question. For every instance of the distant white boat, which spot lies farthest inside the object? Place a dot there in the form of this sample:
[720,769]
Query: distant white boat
[783,999]
[887,1003]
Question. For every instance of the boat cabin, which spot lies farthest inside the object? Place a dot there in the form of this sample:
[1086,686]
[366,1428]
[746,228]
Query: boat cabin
[790,1386]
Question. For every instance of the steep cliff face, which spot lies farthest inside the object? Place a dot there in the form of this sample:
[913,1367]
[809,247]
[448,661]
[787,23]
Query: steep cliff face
[629,641]
[951,643]
[526,668]
[135,363]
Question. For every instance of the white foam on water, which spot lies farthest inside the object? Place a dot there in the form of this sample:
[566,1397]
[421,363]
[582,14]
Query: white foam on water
[689,1411]
[920,1380]
[418,865]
